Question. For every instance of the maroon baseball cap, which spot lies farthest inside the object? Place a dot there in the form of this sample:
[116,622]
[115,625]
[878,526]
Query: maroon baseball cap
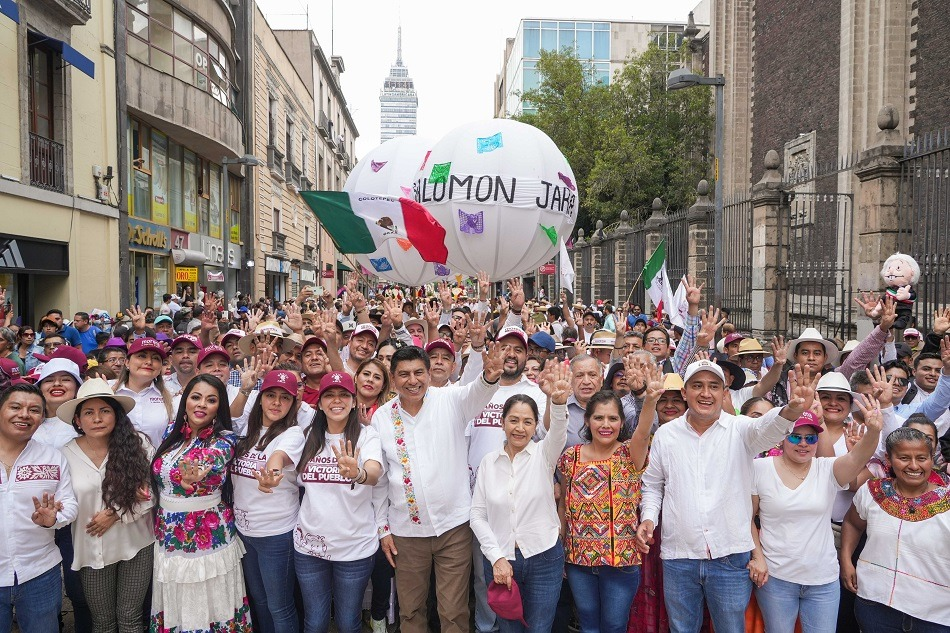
[147,345]
[444,343]
[338,379]
[69,353]
[11,370]
[313,340]
[506,603]
[281,379]
[733,337]
[211,350]
[187,338]
[808,419]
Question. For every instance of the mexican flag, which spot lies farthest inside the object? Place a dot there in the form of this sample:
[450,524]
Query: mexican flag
[362,222]
[656,282]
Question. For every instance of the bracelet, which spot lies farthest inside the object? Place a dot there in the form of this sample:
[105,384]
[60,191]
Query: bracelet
[359,474]
[489,382]
[244,392]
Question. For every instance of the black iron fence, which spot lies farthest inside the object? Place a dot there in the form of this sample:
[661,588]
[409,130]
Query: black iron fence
[676,230]
[585,276]
[924,219]
[47,164]
[819,231]
[608,271]
[636,247]
[736,243]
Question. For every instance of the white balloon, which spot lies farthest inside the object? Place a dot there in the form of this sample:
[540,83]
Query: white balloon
[389,169]
[504,193]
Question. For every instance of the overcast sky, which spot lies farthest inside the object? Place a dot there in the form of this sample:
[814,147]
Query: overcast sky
[453,50]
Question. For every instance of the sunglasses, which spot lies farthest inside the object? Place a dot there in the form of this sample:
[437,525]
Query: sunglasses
[900,382]
[795,438]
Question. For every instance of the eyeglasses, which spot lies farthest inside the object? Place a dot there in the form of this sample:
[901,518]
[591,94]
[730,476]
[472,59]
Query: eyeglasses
[795,438]
[656,340]
[900,382]
[51,345]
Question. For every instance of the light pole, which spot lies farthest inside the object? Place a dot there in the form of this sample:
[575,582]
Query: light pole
[685,78]
[251,161]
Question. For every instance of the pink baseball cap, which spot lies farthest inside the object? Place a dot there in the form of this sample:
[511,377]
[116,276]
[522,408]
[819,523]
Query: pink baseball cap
[338,379]
[211,350]
[148,345]
[733,337]
[12,371]
[443,343]
[187,338]
[507,604]
[232,333]
[513,330]
[366,327]
[808,419]
[69,353]
[281,379]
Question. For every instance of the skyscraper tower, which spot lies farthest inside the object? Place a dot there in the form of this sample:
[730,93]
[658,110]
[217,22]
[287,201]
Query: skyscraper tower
[397,100]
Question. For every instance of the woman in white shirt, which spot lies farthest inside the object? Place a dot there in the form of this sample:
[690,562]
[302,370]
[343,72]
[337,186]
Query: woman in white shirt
[266,501]
[514,515]
[903,573]
[35,496]
[794,563]
[141,379]
[109,464]
[335,539]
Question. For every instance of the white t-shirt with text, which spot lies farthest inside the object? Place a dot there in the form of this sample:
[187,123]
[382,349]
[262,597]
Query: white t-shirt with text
[259,513]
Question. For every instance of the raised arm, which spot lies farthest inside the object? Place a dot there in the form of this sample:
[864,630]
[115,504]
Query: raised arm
[847,467]
[767,431]
[556,385]
[774,374]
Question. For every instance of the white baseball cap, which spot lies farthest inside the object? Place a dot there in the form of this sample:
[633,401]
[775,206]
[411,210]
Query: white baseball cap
[704,365]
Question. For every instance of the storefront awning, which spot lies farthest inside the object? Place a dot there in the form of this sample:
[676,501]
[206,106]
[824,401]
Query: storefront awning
[10,9]
[188,257]
[343,267]
[71,56]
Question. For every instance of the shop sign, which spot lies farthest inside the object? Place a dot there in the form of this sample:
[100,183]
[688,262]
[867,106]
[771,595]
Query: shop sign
[213,250]
[546,269]
[186,274]
[236,233]
[273,265]
[145,236]
[308,276]
[179,239]
[327,274]
[28,256]
[215,275]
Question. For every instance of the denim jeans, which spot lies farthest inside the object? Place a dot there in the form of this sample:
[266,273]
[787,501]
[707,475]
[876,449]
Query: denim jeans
[724,584]
[539,580]
[485,619]
[603,596]
[875,617]
[783,602]
[342,581]
[269,575]
[37,603]
[82,616]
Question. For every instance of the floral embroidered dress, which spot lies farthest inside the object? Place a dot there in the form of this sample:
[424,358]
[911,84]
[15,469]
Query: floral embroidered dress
[601,501]
[198,583]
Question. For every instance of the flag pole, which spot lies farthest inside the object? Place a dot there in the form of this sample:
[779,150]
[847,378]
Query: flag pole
[633,287]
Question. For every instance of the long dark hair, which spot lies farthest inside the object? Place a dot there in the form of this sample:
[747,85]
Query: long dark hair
[255,422]
[221,427]
[128,465]
[316,434]
[602,397]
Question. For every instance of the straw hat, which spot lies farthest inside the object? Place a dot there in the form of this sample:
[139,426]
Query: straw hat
[92,388]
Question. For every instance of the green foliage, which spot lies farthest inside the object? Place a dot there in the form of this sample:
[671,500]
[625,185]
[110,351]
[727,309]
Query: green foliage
[628,142]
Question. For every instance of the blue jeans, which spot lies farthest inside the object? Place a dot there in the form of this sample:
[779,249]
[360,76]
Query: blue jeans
[37,603]
[875,617]
[724,584]
[269,576]
[539,580]
[343,581]
[603,596]
[783,602]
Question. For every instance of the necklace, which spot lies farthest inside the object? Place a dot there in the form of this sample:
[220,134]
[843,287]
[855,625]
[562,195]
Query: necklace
[795,474]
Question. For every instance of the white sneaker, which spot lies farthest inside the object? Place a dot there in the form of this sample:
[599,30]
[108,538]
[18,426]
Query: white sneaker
[378,626]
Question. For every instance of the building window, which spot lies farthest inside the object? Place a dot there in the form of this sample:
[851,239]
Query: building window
[276,221]
[175,202]
[171,42]
[304,155]
[289,141]
[47,156]
[306,236]
[272,121]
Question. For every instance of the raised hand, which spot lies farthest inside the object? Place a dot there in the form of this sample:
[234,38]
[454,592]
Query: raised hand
[654,384]
[889,314]
[44,510]
[327,320]
[580,347]
[882,387]
[393,309]
[432,314]
[779,350]
[352,281]
[869,303]
[445,295]
[268,479]
[493,362]
[804,384]
[478,328]
[941,321]
[358,300]
[517,294]
[294,319]
[254,319]
[710,321]
[138,318]
[945,354]
[484,285]
[854,430]
[635,374]
[460,330]
[701,354]
[693,293]
[555,382]
[192,471]
[362,412]
[873,418]
[347,459]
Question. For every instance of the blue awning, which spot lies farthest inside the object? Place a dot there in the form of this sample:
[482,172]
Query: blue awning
[10,9]
[71,56]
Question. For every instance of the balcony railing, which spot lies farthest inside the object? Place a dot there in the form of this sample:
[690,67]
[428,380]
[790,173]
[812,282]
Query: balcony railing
[47,164]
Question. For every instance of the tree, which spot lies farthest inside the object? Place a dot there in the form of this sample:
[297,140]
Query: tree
[627,142]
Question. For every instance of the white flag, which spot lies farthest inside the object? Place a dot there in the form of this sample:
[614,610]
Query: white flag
[567,269]
[678,305]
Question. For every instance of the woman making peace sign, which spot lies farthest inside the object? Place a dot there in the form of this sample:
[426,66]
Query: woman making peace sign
[335,538]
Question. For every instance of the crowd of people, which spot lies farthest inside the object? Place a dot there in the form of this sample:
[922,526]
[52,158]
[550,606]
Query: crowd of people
[277,466]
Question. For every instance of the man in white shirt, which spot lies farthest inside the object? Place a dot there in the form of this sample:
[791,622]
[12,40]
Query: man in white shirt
[36,498]
[184,360]
[424,500]
[700,472]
